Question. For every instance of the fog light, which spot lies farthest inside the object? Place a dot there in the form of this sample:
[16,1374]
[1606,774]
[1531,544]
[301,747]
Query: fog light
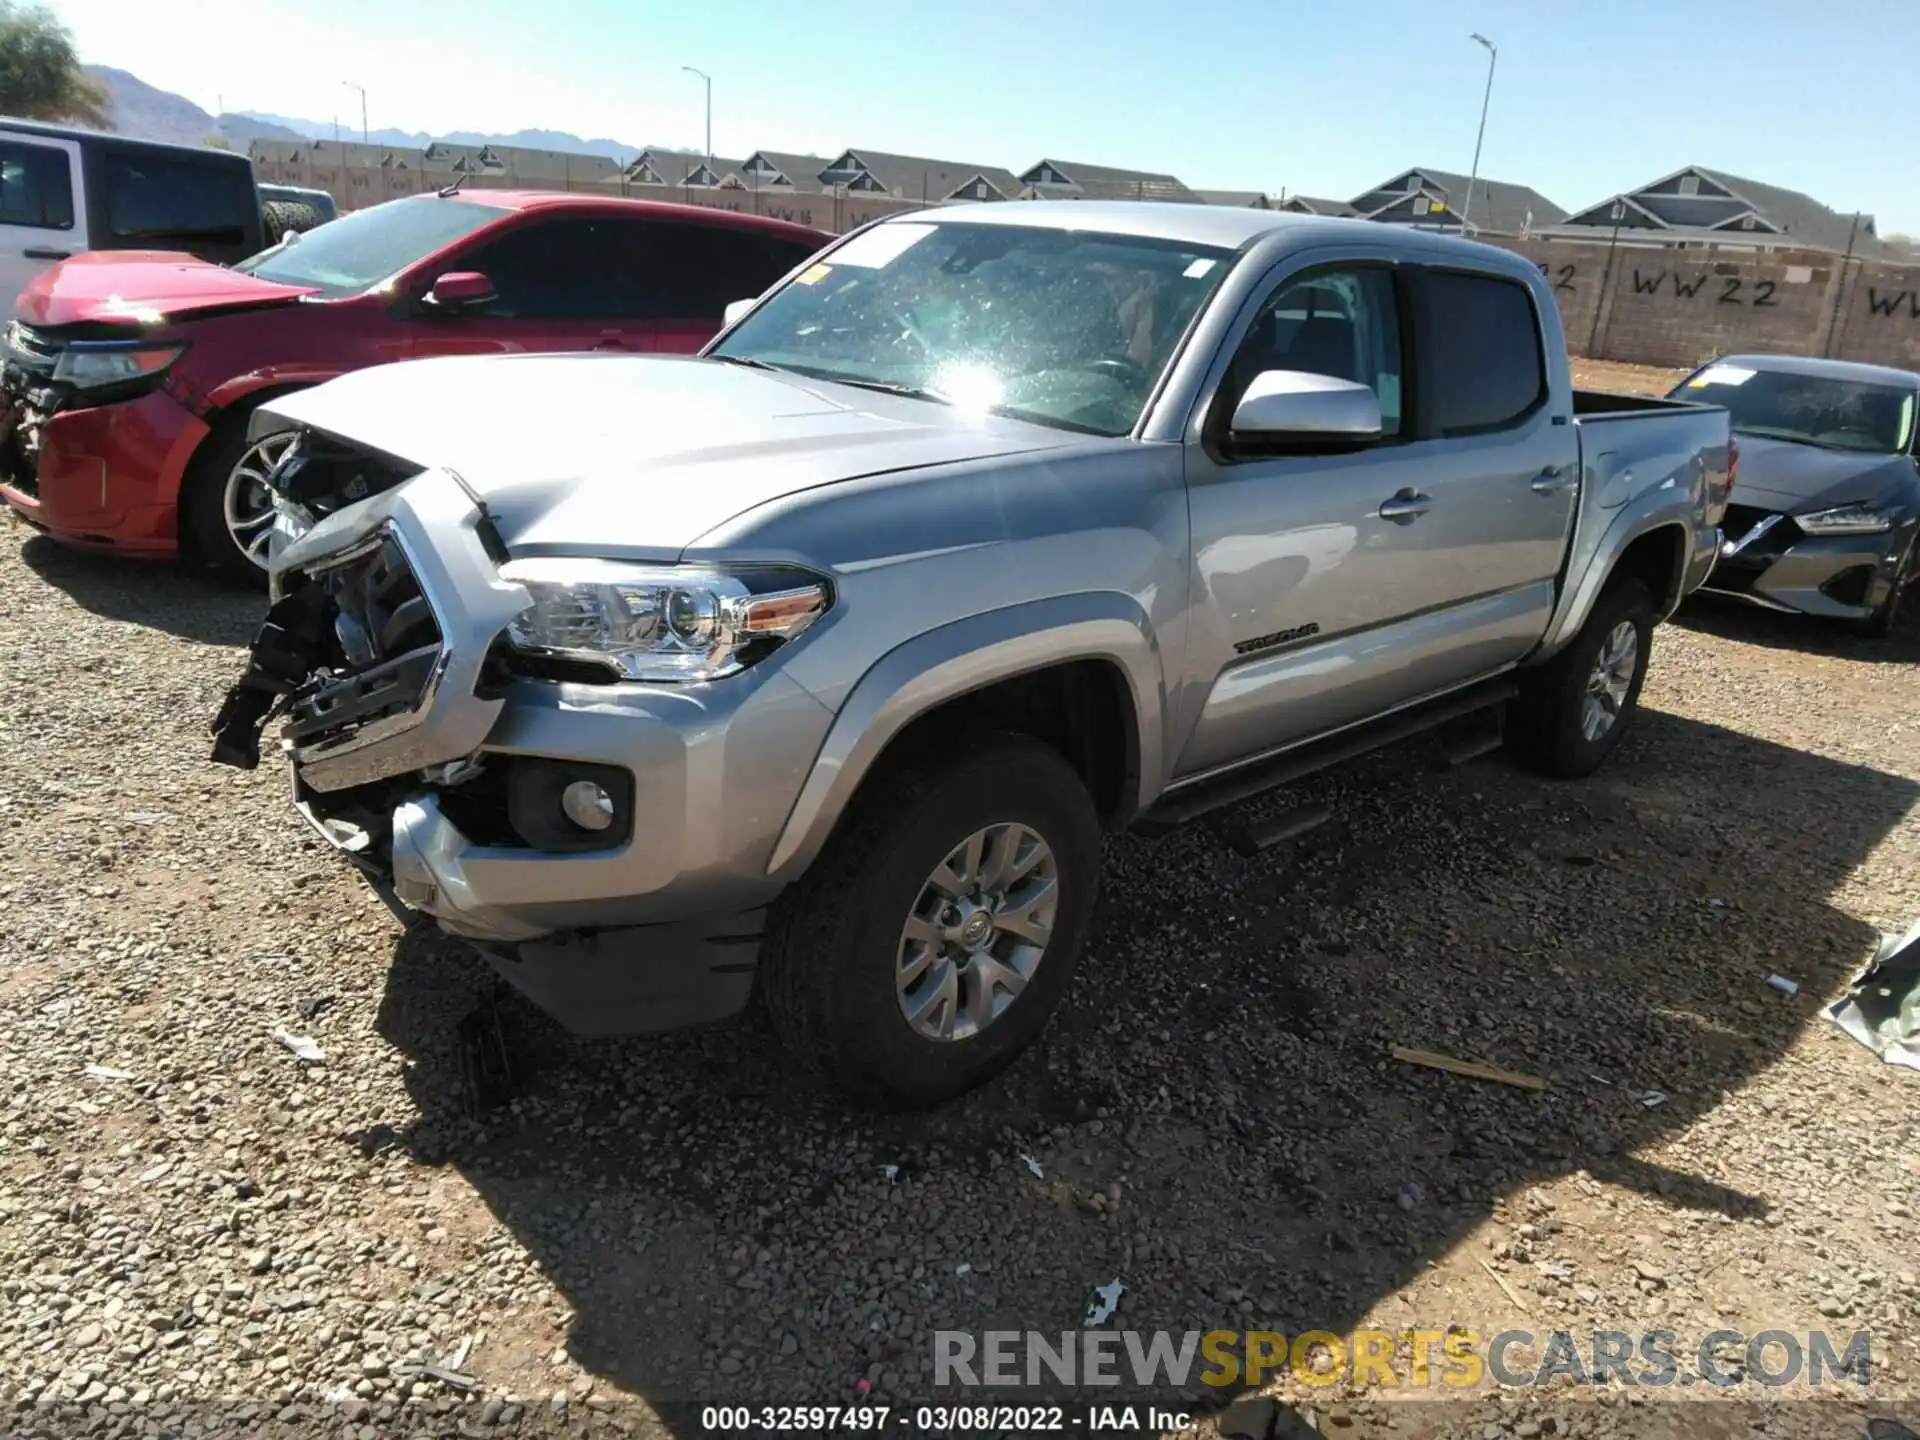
[587,805]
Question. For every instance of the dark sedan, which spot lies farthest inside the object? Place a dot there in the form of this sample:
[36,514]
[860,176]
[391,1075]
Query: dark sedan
[1825,514]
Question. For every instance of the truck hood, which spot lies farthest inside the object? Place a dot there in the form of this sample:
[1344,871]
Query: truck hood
[143,287]
[1792,478]
[638,455]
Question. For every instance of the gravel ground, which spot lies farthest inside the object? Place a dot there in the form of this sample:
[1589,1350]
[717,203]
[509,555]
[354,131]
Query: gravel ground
[215,1235]
[1620,378]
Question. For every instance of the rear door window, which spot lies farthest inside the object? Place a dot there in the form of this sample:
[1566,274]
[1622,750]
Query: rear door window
[36,186]
[1488,369]
[162,203]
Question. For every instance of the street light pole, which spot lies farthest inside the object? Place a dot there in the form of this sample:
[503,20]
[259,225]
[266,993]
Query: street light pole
[363,107]
[708,79]
[1493,55]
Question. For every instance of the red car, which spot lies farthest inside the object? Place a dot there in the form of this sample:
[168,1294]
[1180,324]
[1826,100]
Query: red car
[129,376]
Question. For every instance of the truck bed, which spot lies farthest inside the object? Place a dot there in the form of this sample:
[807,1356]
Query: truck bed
[1593,403]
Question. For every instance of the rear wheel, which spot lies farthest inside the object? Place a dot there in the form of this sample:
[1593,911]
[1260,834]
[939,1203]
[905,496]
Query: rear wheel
[935,935]
[226,509]
[1572,711]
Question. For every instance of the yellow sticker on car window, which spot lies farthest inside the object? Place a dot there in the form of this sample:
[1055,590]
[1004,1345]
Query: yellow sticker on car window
[813,275]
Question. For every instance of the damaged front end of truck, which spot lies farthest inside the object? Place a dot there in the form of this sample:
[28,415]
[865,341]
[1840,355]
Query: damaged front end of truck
[367,635]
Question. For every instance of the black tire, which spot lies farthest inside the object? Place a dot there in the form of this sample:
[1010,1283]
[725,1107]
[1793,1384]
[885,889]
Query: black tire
[1884,618]
[1545,724]
[279,218]
[204,536]
[828,966]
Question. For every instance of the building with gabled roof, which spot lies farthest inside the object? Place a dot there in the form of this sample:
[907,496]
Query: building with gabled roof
[682,169]
[1071,180]
[918,177]
[1439,200]
[1695,205]
[1318,205]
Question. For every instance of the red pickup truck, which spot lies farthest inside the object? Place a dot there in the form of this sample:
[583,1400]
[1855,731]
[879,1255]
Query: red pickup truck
[129,377]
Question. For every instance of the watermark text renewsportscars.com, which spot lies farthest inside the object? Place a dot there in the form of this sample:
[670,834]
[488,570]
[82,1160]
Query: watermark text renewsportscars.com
[1452,1358]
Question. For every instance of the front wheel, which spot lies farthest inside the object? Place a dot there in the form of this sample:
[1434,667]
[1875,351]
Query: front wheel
[934,937]
[1572,711]
[226,509]
[1881,621]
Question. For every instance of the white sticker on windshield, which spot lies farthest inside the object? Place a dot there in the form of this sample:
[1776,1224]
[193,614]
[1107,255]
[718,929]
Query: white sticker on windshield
[880,246]
[1721,375]
[1198,268]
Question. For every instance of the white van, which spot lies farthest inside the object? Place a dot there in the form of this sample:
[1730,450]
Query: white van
[65,190]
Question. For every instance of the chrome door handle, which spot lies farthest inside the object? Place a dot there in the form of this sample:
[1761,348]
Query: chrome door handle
[1552,482]
[1406,507]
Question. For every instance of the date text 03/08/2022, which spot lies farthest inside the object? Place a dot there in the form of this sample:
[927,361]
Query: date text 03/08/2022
[939,1419]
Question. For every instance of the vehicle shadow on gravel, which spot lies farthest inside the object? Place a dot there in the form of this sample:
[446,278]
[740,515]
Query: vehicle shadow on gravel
[160,595]
[1751,625]
[1215,1119]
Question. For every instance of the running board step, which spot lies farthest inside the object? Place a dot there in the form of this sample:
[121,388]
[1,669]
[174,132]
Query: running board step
[1245,782]
[1473,746]
[1250,840]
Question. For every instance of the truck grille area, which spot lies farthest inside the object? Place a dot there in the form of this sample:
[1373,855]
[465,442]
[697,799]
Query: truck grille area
[385,651]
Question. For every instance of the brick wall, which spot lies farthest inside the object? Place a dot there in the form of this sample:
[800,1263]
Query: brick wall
[1681,307]
[354,187]
[1638,304]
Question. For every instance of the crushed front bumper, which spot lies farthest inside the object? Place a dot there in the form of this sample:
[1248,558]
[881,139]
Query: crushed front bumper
[1767,560]
[417,750]
[104,477]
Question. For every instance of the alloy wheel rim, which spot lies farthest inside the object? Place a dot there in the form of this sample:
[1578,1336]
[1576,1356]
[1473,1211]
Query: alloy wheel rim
[977,932]
[1610,680]
[247,505]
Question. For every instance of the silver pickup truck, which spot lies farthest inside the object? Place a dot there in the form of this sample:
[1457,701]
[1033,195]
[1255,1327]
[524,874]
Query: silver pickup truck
[817,667]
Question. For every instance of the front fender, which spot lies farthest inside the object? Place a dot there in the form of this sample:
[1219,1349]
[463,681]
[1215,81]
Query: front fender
[929,670]
[277,379]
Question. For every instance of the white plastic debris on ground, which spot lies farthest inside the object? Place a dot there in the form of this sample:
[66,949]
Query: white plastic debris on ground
[1106,1299]
[1882,1008]
[301,1045]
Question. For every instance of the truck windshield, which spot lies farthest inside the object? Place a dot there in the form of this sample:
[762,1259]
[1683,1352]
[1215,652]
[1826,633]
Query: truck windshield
[1809,409]
[358,251]
[1066,328]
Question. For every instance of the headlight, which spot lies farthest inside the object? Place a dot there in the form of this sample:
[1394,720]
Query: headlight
[1845,520]
[98,365]
[663,622]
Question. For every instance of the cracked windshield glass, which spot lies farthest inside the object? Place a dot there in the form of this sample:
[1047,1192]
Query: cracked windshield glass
[1066,328]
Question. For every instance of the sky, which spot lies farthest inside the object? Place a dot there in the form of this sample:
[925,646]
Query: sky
[1316,97]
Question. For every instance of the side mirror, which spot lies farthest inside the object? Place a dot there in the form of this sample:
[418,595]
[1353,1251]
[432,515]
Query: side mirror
[460,290]
[736,309]
[1297,406]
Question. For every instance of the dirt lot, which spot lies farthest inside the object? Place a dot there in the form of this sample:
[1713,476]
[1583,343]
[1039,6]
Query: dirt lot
[229,1236]
[1622,379]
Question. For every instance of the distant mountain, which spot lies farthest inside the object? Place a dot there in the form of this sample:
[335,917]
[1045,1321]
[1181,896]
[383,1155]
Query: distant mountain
[420,139]
[149,113]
